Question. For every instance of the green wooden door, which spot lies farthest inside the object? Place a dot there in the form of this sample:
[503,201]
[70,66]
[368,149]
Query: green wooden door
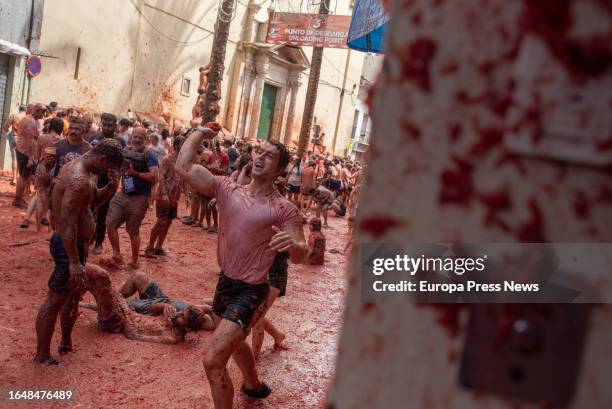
[266,114]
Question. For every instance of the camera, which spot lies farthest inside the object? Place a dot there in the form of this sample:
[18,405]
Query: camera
[131,158]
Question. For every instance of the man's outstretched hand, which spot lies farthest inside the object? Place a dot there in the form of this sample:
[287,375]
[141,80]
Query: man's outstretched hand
[281,241]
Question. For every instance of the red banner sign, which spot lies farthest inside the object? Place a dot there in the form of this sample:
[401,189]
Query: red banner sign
[314,30]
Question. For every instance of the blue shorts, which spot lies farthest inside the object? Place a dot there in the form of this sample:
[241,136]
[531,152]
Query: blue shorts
[59,280]
[153,294]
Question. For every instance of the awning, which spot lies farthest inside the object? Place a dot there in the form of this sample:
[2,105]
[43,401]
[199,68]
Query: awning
[368,24]
[13,49]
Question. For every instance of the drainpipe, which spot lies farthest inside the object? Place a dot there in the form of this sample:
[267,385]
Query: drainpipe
[26,78]
[346,67]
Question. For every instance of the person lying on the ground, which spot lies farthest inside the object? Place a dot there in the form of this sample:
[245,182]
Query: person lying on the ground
[316,243]
[117,314]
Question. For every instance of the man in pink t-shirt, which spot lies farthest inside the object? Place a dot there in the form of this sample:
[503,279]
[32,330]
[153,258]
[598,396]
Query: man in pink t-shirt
[256,223]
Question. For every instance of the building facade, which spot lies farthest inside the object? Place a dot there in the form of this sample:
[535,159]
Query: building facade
[144,55]
[20,24]
[359,140]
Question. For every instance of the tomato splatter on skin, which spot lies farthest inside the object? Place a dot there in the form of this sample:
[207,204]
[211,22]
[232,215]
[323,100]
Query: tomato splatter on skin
[416,59]
[582,207]
[456,186]
[532,230]
[376,226]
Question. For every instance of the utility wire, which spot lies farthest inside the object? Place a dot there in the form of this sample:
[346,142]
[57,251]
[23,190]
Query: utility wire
[338,71]
[164,35]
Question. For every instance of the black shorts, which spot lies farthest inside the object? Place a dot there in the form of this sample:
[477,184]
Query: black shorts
[58,282]
[25,171]
[293,189]
[153,294]
[277,275]
[335,185]
[163,211]
[238,301]
[204,198]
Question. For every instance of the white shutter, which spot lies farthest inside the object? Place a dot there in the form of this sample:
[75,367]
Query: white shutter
[4,65]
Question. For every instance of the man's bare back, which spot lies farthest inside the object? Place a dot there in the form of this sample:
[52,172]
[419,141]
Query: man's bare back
[13,122]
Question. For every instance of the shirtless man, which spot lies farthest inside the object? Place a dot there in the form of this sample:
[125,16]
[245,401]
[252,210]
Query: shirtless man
[51,138]
[42,181]
[203,78]
[166,202]
[29,130]
[74,194]
[118,314]
[256,222]
[11,129]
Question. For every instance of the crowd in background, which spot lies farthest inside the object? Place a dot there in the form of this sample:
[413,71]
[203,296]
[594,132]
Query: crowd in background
[51,137]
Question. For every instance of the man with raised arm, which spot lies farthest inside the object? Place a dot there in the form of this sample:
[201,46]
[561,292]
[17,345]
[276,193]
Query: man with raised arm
[255,223]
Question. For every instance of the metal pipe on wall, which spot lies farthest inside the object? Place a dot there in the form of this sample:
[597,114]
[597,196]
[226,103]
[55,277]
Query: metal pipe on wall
[342,92]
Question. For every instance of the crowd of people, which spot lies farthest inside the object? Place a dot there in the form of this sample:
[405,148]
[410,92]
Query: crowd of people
[87,178]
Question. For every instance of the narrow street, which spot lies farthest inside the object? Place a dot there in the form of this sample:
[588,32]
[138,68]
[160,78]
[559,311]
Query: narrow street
[108,370]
